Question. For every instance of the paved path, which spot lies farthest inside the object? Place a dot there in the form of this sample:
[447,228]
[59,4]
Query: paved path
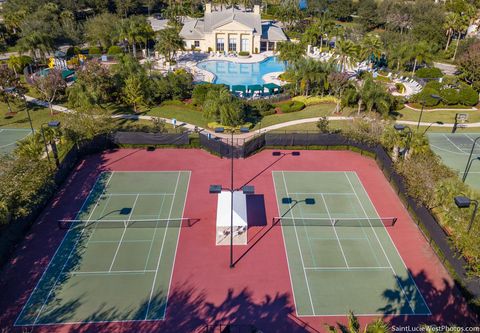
[245,136]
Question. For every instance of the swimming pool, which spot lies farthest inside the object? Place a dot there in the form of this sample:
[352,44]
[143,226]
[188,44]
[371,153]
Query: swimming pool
[231,73]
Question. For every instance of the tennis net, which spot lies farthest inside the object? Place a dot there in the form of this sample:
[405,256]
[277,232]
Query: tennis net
[336,222]
[112,224]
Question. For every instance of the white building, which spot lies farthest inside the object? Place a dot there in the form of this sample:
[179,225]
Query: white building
[231,30]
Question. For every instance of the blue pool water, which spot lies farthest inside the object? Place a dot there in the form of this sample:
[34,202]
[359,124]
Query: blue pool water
[231,73]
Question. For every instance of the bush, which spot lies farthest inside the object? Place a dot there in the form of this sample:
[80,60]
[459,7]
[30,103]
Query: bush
[94,50]
[263,107]
[72,51]
[425,97]
[468,96]
[200,91]
[114,49]
[292,106]
[434,85]
[449,96]
[312,100]
[429,73]
[244,53]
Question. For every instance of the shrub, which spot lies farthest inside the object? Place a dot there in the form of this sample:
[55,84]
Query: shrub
[434,85]
[72,51]
[468,96]
[292,106]
[94,50]
[312,100]
[114,49]
[200,91]
[400,87]
[244,53]
[323,125]
[429,73]
[425,96]
[449,96]
[263,107]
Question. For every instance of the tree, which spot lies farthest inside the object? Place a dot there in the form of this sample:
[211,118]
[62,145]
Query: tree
[290,53]
[50,86]
[310,75]
[102,30]
[135,29]
[126,7]
[461,23]
[18,63]
[374,97]
[345,53]
[338,83]
[367,10]
[222,107]
[450,25]
[341,9]
[371,45]
[9,82]
[169,42]
[420,53]
[469,64]
[31,147]
[377,326]
[133,92]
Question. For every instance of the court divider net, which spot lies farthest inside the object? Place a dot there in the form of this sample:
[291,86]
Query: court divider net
[335,222]
[140,223]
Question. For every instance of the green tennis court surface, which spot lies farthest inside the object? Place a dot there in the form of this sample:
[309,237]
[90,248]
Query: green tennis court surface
[9,138]
[454,149]
[345,267]
[102,272]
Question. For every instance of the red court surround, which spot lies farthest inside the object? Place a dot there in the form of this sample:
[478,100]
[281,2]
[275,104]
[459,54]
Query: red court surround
[204,289]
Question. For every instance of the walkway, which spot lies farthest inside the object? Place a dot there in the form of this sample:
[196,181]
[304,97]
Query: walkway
[441,109]
[245,136]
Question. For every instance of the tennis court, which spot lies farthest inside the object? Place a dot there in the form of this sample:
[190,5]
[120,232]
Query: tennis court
[116,260]
[454,149]
[339,252]
[9,138]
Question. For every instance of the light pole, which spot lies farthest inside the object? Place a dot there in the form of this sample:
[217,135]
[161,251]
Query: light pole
[469,165]
[423,106]
[51,124]
[28,114]
[428,127]
[469,158]
[218,188]
[464,202]
[401,128]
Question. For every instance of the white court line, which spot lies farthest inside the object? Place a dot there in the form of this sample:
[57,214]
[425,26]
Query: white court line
[56,251]
[446,137]
[323,193]
[69,255]
[123,233]
[347,268]
[381,245]
[161,249]
[299,248]
[343,238]
[447,150]
[152,241]
[398,253]
[308,238]
[112,272]
[284,243]
[125,241]
[335,231]
[176,246]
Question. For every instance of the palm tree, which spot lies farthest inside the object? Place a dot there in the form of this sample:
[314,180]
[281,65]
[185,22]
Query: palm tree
[371,46]
[290,52]
[169,42]
[420,53]
[377,326]
[374,97]
[449,25]
[345,53]
[310,74]
[30,147]
[461,23]
[399,55]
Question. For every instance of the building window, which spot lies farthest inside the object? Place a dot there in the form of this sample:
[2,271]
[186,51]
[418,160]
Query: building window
[220,44]
[245,44]
[232,44]
[196,43]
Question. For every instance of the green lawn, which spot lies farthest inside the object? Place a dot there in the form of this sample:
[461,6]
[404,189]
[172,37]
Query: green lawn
[432,116]
[184,113]
[312,111]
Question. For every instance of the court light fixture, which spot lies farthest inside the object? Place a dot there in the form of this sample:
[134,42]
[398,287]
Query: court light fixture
[276,153]
[295,153]
[215,189]
[244,130]
[402,128]
[279,153]
[435,122]
[465,202]
[219,130]
[287,201]
[310,201]
[248,189]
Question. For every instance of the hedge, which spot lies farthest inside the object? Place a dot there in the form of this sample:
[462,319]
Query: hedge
[292,106]
[468,96]
[429,73]
[426,97]
[449,96]
[114,49]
